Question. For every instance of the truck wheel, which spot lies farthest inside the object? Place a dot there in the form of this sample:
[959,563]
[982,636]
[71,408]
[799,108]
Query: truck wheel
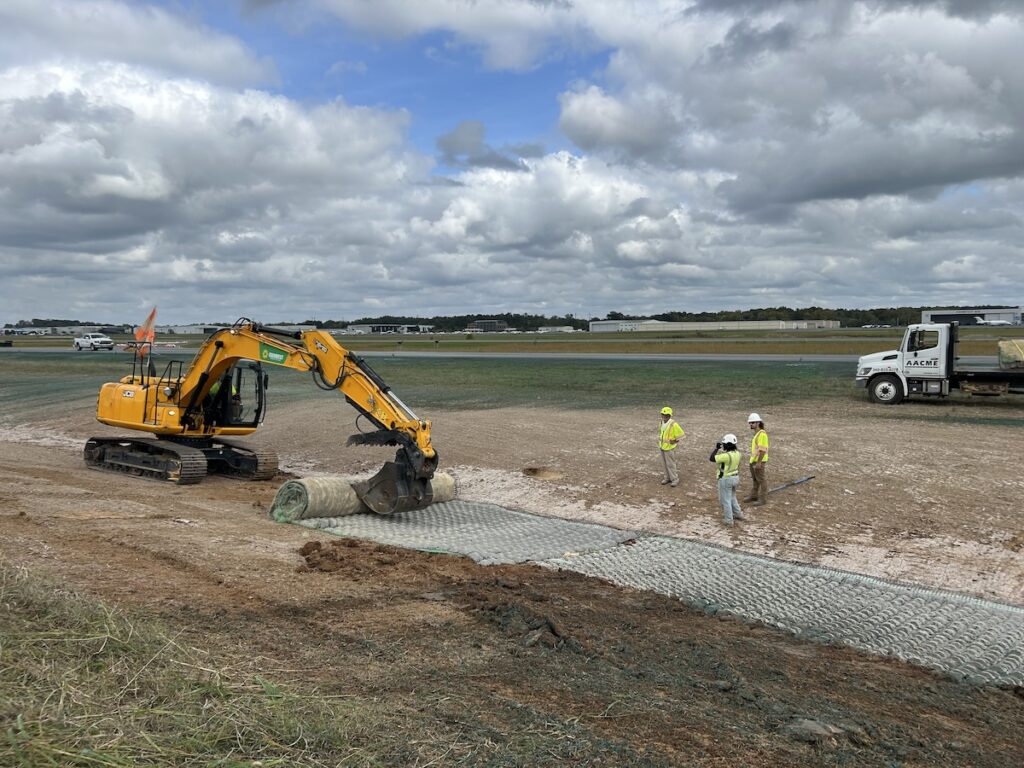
[886,390]
[78,348]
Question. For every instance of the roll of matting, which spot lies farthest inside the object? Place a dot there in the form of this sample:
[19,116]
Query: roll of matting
[333,496]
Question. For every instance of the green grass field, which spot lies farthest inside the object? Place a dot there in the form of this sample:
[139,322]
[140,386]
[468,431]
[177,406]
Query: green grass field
[30,383]
[589,384]
[36,386]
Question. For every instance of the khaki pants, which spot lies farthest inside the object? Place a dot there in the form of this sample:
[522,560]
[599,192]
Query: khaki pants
[759,491]
[671,473]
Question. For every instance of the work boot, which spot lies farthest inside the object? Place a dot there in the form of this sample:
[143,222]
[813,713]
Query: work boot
[748,499]
[665,482]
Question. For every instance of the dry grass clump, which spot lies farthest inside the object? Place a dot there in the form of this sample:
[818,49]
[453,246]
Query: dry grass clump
[82,684]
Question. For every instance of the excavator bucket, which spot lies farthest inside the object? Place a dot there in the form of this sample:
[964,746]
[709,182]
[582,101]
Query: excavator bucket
[400,485]
[392,490]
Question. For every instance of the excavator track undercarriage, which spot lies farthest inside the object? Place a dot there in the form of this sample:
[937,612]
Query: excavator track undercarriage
[183,462]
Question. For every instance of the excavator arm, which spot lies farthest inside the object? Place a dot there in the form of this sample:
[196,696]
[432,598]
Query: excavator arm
[400,485]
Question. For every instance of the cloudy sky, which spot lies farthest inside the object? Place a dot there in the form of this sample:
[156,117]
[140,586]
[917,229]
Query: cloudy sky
[295,159]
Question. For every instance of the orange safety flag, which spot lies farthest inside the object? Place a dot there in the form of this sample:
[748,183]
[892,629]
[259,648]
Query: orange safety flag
[145,334]
[147,331]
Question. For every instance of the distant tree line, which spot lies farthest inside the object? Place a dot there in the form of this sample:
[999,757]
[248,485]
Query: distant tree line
[520,322]
[528,322]
[36,322]
[524,322]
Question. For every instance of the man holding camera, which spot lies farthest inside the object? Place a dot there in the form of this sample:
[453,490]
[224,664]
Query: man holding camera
[727,458]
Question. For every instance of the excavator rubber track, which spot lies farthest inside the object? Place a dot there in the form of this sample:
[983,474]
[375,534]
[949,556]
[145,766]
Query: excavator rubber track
[237,459]
[147,457]
[183,462]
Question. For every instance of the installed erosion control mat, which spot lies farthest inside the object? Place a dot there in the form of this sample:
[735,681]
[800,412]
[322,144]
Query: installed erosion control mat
[965,637]
[485,532]
[968,638]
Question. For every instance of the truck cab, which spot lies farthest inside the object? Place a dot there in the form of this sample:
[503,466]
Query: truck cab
[93,341]
[923,365]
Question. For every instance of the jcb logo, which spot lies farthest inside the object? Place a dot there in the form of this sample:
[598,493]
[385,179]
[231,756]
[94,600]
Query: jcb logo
[320,345]
[128,393]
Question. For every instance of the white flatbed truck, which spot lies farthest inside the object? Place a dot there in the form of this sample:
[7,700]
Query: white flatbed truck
[927,364]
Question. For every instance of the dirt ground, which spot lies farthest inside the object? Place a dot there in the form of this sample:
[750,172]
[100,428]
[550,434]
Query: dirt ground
[645,680]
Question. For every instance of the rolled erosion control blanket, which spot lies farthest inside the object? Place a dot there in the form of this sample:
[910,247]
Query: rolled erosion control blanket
[443,487]
[333,497]
[1011,353]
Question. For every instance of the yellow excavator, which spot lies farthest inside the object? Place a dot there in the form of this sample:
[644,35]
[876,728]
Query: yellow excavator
[194,413]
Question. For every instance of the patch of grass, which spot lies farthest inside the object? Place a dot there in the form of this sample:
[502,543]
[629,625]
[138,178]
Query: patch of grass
[82,684]
[33,385]
[37,385]
[426,383]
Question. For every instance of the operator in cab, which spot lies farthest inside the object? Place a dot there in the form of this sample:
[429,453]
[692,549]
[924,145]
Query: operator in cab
[221,409]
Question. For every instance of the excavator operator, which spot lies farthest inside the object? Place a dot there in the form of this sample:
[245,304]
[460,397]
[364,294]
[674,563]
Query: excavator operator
[219,408]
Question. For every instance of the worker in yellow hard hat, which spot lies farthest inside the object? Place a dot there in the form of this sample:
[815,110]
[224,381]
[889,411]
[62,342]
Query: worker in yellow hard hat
[668,439]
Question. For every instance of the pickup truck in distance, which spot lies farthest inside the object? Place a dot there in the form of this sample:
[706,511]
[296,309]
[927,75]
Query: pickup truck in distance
[927,364]
[93,341]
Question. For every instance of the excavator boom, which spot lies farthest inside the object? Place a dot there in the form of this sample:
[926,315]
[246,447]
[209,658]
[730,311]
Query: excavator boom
[195,410]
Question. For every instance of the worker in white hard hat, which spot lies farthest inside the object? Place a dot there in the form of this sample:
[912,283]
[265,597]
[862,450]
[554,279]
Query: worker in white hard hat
[727,457]
[668,439]
[758,461]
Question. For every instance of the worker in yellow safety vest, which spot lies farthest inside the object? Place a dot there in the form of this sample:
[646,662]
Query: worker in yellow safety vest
[758,462]
[728,458]
[668,438]
[218,411]
[215,389]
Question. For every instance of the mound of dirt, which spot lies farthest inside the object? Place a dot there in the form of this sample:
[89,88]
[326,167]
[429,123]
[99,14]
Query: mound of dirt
[338,556]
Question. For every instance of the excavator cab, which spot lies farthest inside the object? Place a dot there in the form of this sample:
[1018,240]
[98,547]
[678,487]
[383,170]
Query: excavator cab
[238,398]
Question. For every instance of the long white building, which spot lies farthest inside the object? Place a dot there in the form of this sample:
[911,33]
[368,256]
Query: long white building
[648,326]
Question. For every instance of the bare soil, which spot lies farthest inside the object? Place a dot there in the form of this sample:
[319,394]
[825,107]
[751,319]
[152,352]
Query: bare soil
[643,679]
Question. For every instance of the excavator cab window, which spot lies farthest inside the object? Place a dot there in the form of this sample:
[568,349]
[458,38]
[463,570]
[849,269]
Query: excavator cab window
[238,399]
